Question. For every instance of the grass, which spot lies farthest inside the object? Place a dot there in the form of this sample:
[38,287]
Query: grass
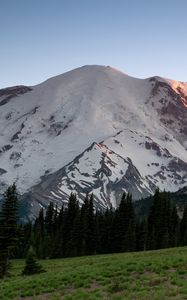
[155,275]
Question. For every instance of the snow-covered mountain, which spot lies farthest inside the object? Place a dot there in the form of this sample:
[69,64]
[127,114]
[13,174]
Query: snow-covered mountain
[94,129]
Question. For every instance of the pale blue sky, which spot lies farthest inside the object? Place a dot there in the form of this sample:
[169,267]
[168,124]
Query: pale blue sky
[44,38]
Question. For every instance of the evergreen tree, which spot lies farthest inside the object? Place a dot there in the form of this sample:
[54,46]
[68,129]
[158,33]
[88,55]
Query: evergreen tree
[175,230]
[141,235]
[19,250]
[8,228]
[130,232]
[183,228]
[125,225]
[76,242]
[27,233]
[70,226]
[84,225]
[100,233]
[31,264]
[88,226]
[159,222]
[49,222]
[120,225]
[58,242]
[108,231]
[39,235]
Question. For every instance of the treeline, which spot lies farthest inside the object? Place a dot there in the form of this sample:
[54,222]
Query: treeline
[75,231]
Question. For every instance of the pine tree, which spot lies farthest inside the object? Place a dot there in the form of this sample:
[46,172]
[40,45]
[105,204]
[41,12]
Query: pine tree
[130,232]
[58,242]
[183,228]
[39,234]
[31,264]
[174,238]
[27,232]
[84,225]
[108,231]
[120,226]
[49,222]
[69,226]
[91,235]
[159,222]
[100,233]
[141,235]
[8,228]
[125,225]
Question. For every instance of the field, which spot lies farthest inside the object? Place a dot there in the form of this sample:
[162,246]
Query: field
[148,275]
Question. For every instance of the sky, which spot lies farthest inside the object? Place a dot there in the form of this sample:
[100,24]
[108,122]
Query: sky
[43,38]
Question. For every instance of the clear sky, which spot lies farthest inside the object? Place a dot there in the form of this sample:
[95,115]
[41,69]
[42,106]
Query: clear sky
[43,38]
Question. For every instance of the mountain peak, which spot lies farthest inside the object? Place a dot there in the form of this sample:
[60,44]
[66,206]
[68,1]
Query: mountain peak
[138,129]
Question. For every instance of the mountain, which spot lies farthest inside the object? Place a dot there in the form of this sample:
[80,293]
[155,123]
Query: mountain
[179,199]
[93,129]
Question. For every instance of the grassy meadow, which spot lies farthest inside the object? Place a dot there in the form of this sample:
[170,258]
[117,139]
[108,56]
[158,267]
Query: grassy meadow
[154,275]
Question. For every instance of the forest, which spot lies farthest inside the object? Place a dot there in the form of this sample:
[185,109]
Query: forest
[75,230]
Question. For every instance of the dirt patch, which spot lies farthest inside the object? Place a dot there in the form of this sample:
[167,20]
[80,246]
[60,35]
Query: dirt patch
[149,273]
[70,289]
[154,282]
[94,286]
[172,270]
[134,274]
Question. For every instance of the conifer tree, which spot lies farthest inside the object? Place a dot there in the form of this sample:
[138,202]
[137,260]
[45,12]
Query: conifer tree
[125,225]
[49,222]
[130,219]
[39,235]
[8,228]
[141,235]
[91,244]
[183,228]
[27,232]
[84,225]
[175,230]
[31,264]
[120,225]
[101,245]
[58,243]
[69,225]
[108,231]
[159,221]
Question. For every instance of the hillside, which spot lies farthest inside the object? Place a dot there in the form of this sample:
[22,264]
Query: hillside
[93,129]
[153,275]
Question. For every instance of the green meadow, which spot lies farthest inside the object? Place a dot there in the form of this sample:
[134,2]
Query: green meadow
[154,275]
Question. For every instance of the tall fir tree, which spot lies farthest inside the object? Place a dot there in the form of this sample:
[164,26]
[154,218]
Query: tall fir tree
[70,226]
[159,222]
[174,228]
[57,246]
[125,225]
[49,223]
[141,235]
[91,238]
[8,228]
[39,235]
[183,228]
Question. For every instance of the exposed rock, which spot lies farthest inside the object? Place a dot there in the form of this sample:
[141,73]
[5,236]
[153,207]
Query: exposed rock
[9,93]
[2,171]
[5,148]
[15,155]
